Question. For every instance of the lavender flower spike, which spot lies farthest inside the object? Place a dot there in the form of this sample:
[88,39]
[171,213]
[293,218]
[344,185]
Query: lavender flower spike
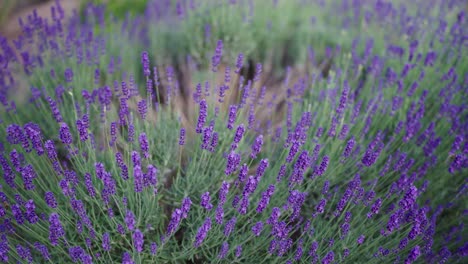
[202,232]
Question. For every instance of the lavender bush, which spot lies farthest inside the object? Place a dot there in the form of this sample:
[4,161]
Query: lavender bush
[241,132]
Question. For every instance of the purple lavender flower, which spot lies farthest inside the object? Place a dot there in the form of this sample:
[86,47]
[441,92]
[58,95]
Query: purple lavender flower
[28,174]
[216,59]
[224,250]
[197,95]
[325,188]
[43,250]
[106,245]
[313,249]
[275,214]
[242,173]
[239,133]
[30,213]
[55,229]
[295,201]
[250,185]
[186,204]
[119,158]
[153,248]
[315,153]
[131,132]
[89,185]
[19,199]
[343,99]
[110,212]
[65,135]
[258,72]
[284,245]
[375,208]
[328,258]
[82,130]
[281,173]
[280,230]
[202,116]
[239,62]
[233,161]
[100,170]
[232,116]
[219,215]
[68,75]
[344,132]
[86,259]
[345,229]
[300,166]
[182,137]
[138,180]
[76,253]
[457,163]
[299,251]
[55,110]
[130,220]
[24,253]
[127,258]
[202,232]
[151,176]
[50,149]
[321,206]
[144,145]
[15,160]
[207,134]
[205,201]
[146,63]
[409,199]
[273,246]
[256,147]
[265,198]
[293,151]
[113,133]
[223,193]
[257,228]
[15,134]
[230,225]
[348,216]
[222,91]
[238,251]
[323,166]
[261,168]
[33,132]
[251,118]
[136,158]
[121,229]
[413,255]
[4,248]
[142,108]
[17,214]
[2,211]
[244,204]
[332,130]
[175,221]
[138,241]
[360,239]
[456,144]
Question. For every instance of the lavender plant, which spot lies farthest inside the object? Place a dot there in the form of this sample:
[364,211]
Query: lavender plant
[117,156]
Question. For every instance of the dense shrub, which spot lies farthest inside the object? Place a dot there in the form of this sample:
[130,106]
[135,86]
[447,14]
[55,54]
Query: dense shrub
[241,132]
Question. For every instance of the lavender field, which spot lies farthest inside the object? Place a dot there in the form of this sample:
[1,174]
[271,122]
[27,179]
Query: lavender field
[236,131]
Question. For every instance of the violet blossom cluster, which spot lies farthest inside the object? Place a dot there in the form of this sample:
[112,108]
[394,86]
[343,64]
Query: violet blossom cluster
[363,161]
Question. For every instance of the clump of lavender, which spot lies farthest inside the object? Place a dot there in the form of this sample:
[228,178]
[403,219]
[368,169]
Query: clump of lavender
[107,163]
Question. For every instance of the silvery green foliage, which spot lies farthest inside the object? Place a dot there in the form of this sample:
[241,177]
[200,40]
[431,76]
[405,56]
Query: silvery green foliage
[367,164]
